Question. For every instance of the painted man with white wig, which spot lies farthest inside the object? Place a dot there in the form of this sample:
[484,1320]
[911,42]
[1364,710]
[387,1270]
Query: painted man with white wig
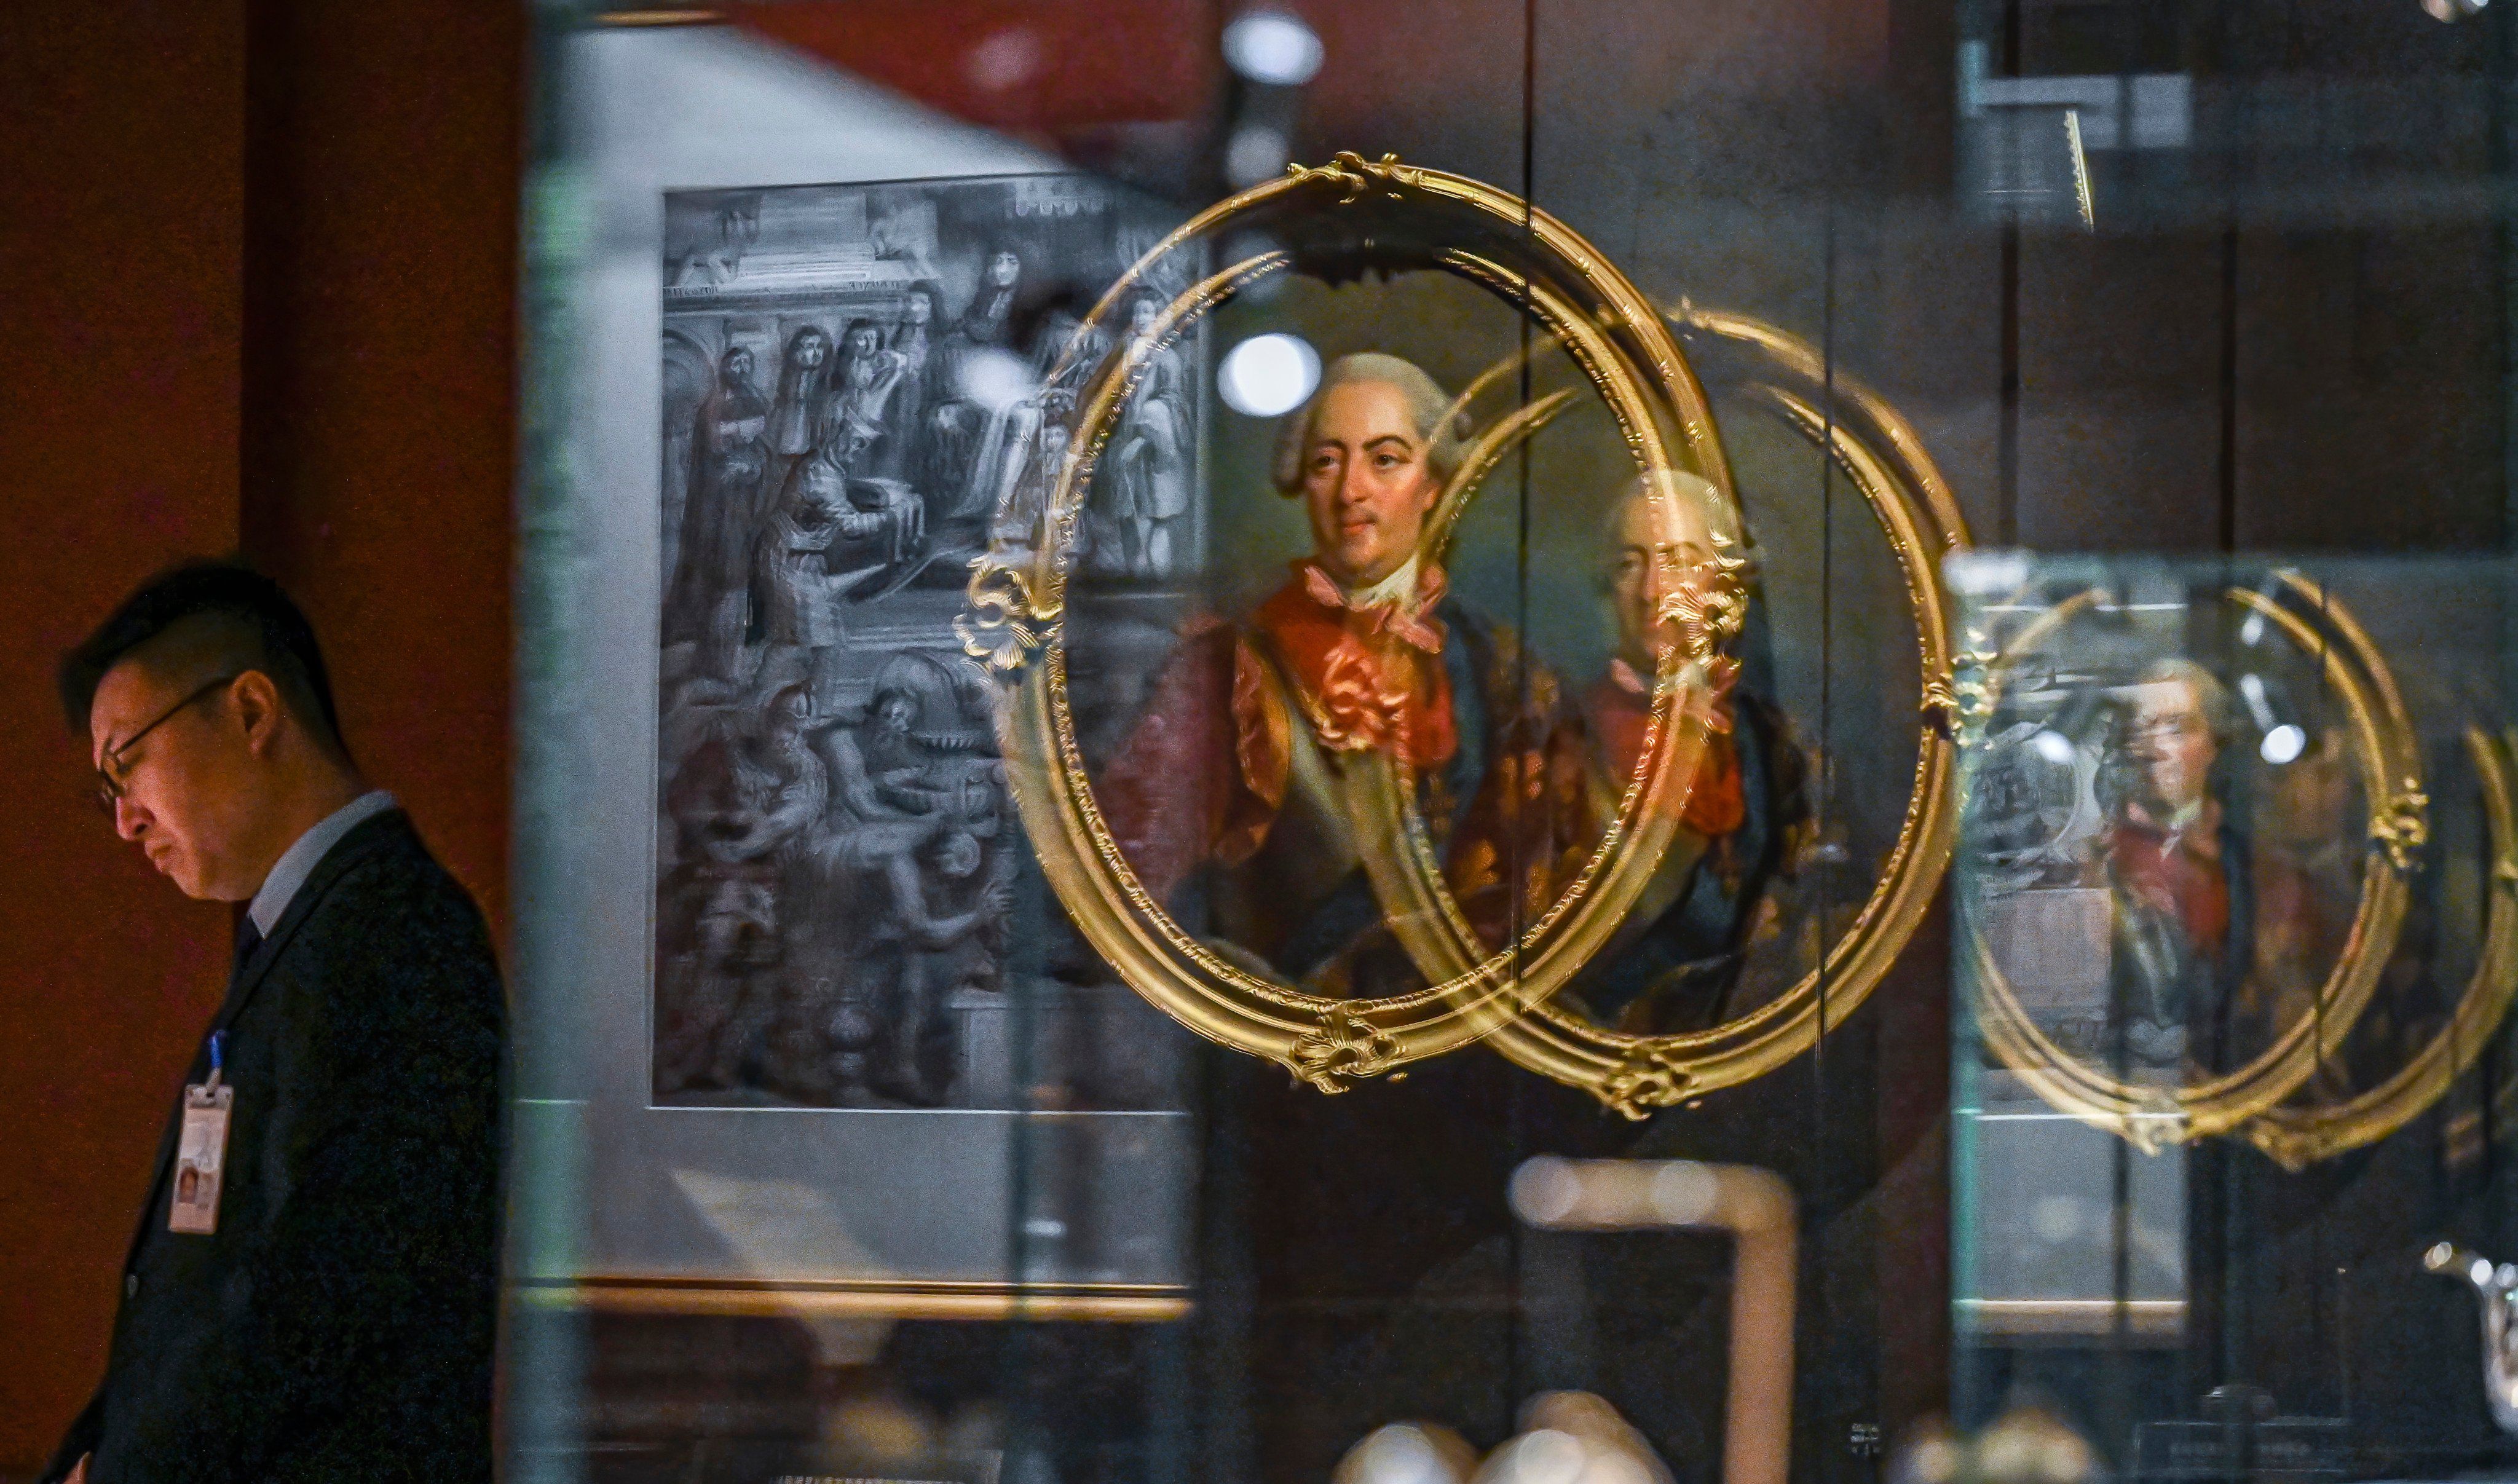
[1230,779]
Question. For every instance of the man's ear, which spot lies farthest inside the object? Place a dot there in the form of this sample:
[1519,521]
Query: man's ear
[258,702]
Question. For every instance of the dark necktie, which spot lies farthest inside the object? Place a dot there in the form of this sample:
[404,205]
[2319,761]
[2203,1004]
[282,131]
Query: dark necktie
[247,938]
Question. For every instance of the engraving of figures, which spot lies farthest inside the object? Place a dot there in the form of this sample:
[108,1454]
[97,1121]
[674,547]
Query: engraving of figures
[833,866]
[977,367]
[798,601]
[1143,489]
[744,800]
[911,338]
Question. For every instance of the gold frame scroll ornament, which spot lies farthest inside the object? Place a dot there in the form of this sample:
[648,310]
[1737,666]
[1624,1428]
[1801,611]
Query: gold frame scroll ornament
[1337,222]
[2388,751]
[1874,447]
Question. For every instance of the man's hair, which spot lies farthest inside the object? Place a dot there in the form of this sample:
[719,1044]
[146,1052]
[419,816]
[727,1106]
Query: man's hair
[218,617]
[1429,411]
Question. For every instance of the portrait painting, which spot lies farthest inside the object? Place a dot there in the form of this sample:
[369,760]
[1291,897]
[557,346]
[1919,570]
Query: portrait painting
[1409,692]
[2169,825]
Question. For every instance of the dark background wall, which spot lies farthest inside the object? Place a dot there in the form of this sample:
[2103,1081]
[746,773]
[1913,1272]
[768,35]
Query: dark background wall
[260,296]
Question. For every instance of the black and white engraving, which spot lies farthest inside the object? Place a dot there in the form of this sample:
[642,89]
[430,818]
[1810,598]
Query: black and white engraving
[863,385]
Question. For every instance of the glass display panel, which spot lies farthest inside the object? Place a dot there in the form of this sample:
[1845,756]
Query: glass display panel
[967,1037]
[2234,876]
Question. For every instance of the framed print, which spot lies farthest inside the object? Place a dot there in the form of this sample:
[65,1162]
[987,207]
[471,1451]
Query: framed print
[801,1041]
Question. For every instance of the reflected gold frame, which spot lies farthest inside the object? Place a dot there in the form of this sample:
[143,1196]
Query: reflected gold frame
[1014,626]
[2389,754]
[1880,452]
[2296,1137]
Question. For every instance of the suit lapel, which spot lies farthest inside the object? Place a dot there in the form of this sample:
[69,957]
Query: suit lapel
[369,837]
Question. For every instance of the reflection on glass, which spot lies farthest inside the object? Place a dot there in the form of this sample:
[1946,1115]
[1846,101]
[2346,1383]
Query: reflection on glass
[1235,782]
[1682,956]
[2163,895]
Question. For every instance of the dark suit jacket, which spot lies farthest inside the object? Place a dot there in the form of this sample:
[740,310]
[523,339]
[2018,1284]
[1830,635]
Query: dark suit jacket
[339,1323]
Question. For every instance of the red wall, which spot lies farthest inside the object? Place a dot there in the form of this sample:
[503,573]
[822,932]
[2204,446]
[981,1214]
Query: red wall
[345,413]
[120,334]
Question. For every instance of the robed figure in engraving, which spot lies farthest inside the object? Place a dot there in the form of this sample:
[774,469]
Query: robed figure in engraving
[912,339]
[797,416]
[962,431]
[861,401]
[1144,489]
[721,513]
[1234,785]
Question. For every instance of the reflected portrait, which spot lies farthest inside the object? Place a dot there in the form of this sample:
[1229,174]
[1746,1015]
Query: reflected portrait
[2170,827]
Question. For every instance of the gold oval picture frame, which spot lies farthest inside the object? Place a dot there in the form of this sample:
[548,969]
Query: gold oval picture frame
[1879,452]
[2296,1136]
[1338,221]
[2387,753]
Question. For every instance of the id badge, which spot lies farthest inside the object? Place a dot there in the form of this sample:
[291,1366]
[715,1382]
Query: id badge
[201,1158]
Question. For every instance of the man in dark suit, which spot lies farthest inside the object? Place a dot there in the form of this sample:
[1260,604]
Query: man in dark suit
[341,1125]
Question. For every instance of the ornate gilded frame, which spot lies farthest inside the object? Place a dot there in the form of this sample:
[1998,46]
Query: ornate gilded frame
[2389,754]
[1874,447]
[2296,1137]
[1339,221]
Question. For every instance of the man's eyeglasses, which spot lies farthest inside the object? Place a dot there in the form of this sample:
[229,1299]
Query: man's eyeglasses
[110,788]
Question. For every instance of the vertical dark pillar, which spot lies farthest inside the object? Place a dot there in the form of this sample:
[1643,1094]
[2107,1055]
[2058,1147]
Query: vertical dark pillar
[381,178]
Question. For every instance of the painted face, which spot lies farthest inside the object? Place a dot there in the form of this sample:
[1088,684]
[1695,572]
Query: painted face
[184,784]
[811,348]
[895,713]
[1142,317]
[919,310]
[1003,268]
[863,341]
[2172,742]
[1367,483]
[1656,542]
[738,368]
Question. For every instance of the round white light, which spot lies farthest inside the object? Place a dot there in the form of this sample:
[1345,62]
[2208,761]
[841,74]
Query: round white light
[1545,1457]
[2052,746]
[1254,155]
[1544,1189]
[1274,48]
[995,379]
[1683,1192]
[1268,376]
[1004,59]
[1398,1453]
[2283,744]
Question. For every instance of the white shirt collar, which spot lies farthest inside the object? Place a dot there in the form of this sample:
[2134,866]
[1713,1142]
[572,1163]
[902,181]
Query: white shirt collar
[298,862]
[1399,588]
